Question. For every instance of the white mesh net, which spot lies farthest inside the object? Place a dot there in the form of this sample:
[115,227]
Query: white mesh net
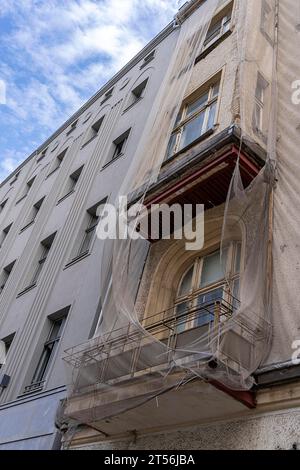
[144,345]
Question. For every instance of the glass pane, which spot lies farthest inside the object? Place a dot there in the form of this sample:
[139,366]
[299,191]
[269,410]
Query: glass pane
[197,105]
[42,366]
[213,32]
[180,312]
[213,270]
[258,116]
[37,271]
[207,306]
[186,283]
[87,241]
[237,266]
[178,119]
[226,25]
[212,116]
[192,130]
[236,294]
[171,146]
[259,92]
[216,89]
[55,332]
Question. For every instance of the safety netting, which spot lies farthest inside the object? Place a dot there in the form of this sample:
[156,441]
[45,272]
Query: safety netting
[156,332]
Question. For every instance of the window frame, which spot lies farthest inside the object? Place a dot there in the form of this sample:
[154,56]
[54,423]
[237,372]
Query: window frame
[114,155]
[33,213]
[8,340]
[58,160]
[226,20]
[72,127]
[93,132]
[133,97]
[5,274]
[232,274]
[260,103]
[148,58]
[44,363]
[185,118]
[91,229]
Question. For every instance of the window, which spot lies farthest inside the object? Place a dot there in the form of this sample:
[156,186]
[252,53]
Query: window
[5,275]
[33,213]
[7,341]
[55,146]
[94,130]
[27,189]
[15,177]
[39,262]
[72,127]
[87,233]
[259,119]
[107,95]
[42,155]
[219,26]
[103,303]
[196,117]
[267,25]
[4,234]
[2,205]
[137,93]
[71,183]
[119,145]
[203,288]
[57,162]
[148,59]
[56,326]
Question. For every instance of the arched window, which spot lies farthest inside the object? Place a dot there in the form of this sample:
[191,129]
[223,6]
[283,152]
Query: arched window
[206,286]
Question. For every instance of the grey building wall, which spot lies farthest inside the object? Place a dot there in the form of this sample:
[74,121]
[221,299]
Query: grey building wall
[27,420]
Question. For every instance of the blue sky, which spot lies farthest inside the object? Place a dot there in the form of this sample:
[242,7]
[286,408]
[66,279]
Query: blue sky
[55,54]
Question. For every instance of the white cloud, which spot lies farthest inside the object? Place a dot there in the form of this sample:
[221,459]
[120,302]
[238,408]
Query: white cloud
[61,52]
[8,162]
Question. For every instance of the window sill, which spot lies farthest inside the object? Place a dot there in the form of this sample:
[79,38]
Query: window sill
[89,141]
[192,144]
[213,46]
[65,197]
[77,259]
[24,291]
[26,226]
[21,199]
[132,105]
[112,161]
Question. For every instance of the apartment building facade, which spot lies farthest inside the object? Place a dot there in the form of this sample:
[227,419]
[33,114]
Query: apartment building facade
[155,385]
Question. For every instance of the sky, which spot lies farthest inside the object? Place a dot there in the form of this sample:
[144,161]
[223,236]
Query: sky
[55,54]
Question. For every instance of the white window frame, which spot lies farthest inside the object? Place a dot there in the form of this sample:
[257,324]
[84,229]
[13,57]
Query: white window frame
[231,275]
[184,119]
[224,28]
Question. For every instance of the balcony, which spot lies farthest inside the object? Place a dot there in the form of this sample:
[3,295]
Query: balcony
[202,173]
[128,367]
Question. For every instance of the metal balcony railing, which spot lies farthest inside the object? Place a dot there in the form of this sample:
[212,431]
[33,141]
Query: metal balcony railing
[129,351]
[34,387]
